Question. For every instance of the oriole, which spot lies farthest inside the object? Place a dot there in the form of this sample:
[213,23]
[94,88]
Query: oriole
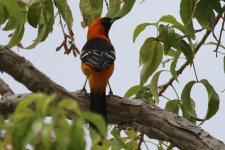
[97,62]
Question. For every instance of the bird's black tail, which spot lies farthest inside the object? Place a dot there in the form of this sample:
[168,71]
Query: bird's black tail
[98,104]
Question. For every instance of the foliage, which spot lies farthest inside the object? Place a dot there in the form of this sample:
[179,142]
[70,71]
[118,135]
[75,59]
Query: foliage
[40,124]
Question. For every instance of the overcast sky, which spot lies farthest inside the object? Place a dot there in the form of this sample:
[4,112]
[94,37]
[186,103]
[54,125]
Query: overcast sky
[65,70]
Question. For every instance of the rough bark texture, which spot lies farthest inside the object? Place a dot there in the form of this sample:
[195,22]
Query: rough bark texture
[146,118]
[5,89]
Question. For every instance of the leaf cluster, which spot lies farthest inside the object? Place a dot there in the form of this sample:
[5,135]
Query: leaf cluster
[39,123]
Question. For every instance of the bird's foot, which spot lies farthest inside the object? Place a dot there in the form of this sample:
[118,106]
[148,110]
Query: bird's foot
[110,93]
[83,92]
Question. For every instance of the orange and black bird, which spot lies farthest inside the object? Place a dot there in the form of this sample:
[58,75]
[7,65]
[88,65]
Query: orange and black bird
[97,62]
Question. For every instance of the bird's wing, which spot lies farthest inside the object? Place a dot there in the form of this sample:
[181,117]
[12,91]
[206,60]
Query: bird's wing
[98,53]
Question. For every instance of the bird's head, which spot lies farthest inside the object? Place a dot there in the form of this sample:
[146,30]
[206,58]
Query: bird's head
[100,27]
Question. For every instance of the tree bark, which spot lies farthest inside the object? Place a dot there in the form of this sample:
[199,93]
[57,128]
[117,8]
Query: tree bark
[146,118]
[5,89]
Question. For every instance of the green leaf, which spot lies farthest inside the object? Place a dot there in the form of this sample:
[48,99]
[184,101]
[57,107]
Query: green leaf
[215,4]
[3,14]
[13,10]
[17,36]
[205,15]
[91,10]
[174,64]
[171,52]
[70,105]
[132,91]
[65,11]
[2,121]
[48,16]
[139,29]
[173,106]
[213,99]
[23,105]
[172,20]
[42,104]
[114,8]
[132,145]
[117,141]
[186,50]
[34,14]
[152,64]
[126,8]
[41,35]
[186,13]
[192,116]
[186,98]
[11,24]
[97,121]
[146,51]
[153,86]
[76,140]
[45,133]
[45,23]
[167,34]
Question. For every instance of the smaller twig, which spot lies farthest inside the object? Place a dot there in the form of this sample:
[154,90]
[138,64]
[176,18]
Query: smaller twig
[146,145]
[165,97]
[223,91]
[220,36]
[152,143]
[220,52]
[175,92]
[5,90]
[195,72]
[186,35]
[141,139]
[157,39]
[107,4]
[214,35]
[179,38]
[61,24]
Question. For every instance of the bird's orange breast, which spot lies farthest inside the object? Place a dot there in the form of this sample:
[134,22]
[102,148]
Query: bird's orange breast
[97,79]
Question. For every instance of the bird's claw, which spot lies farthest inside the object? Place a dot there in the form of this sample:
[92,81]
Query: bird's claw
[83,92]
[110,93]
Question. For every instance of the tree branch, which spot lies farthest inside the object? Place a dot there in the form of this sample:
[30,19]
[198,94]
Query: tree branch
[179,71]
[144,117]
[5,89]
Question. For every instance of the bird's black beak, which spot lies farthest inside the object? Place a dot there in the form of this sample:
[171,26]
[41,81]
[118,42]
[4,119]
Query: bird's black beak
[114,19]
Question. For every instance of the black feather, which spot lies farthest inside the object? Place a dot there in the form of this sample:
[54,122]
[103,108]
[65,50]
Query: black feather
[98,104]
[98,53]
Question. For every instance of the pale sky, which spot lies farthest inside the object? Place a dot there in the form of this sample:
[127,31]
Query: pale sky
[65,70]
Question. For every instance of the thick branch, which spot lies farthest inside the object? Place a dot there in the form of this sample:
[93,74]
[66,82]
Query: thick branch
[5,89]
[23,71]
[146,118]
[179,71]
